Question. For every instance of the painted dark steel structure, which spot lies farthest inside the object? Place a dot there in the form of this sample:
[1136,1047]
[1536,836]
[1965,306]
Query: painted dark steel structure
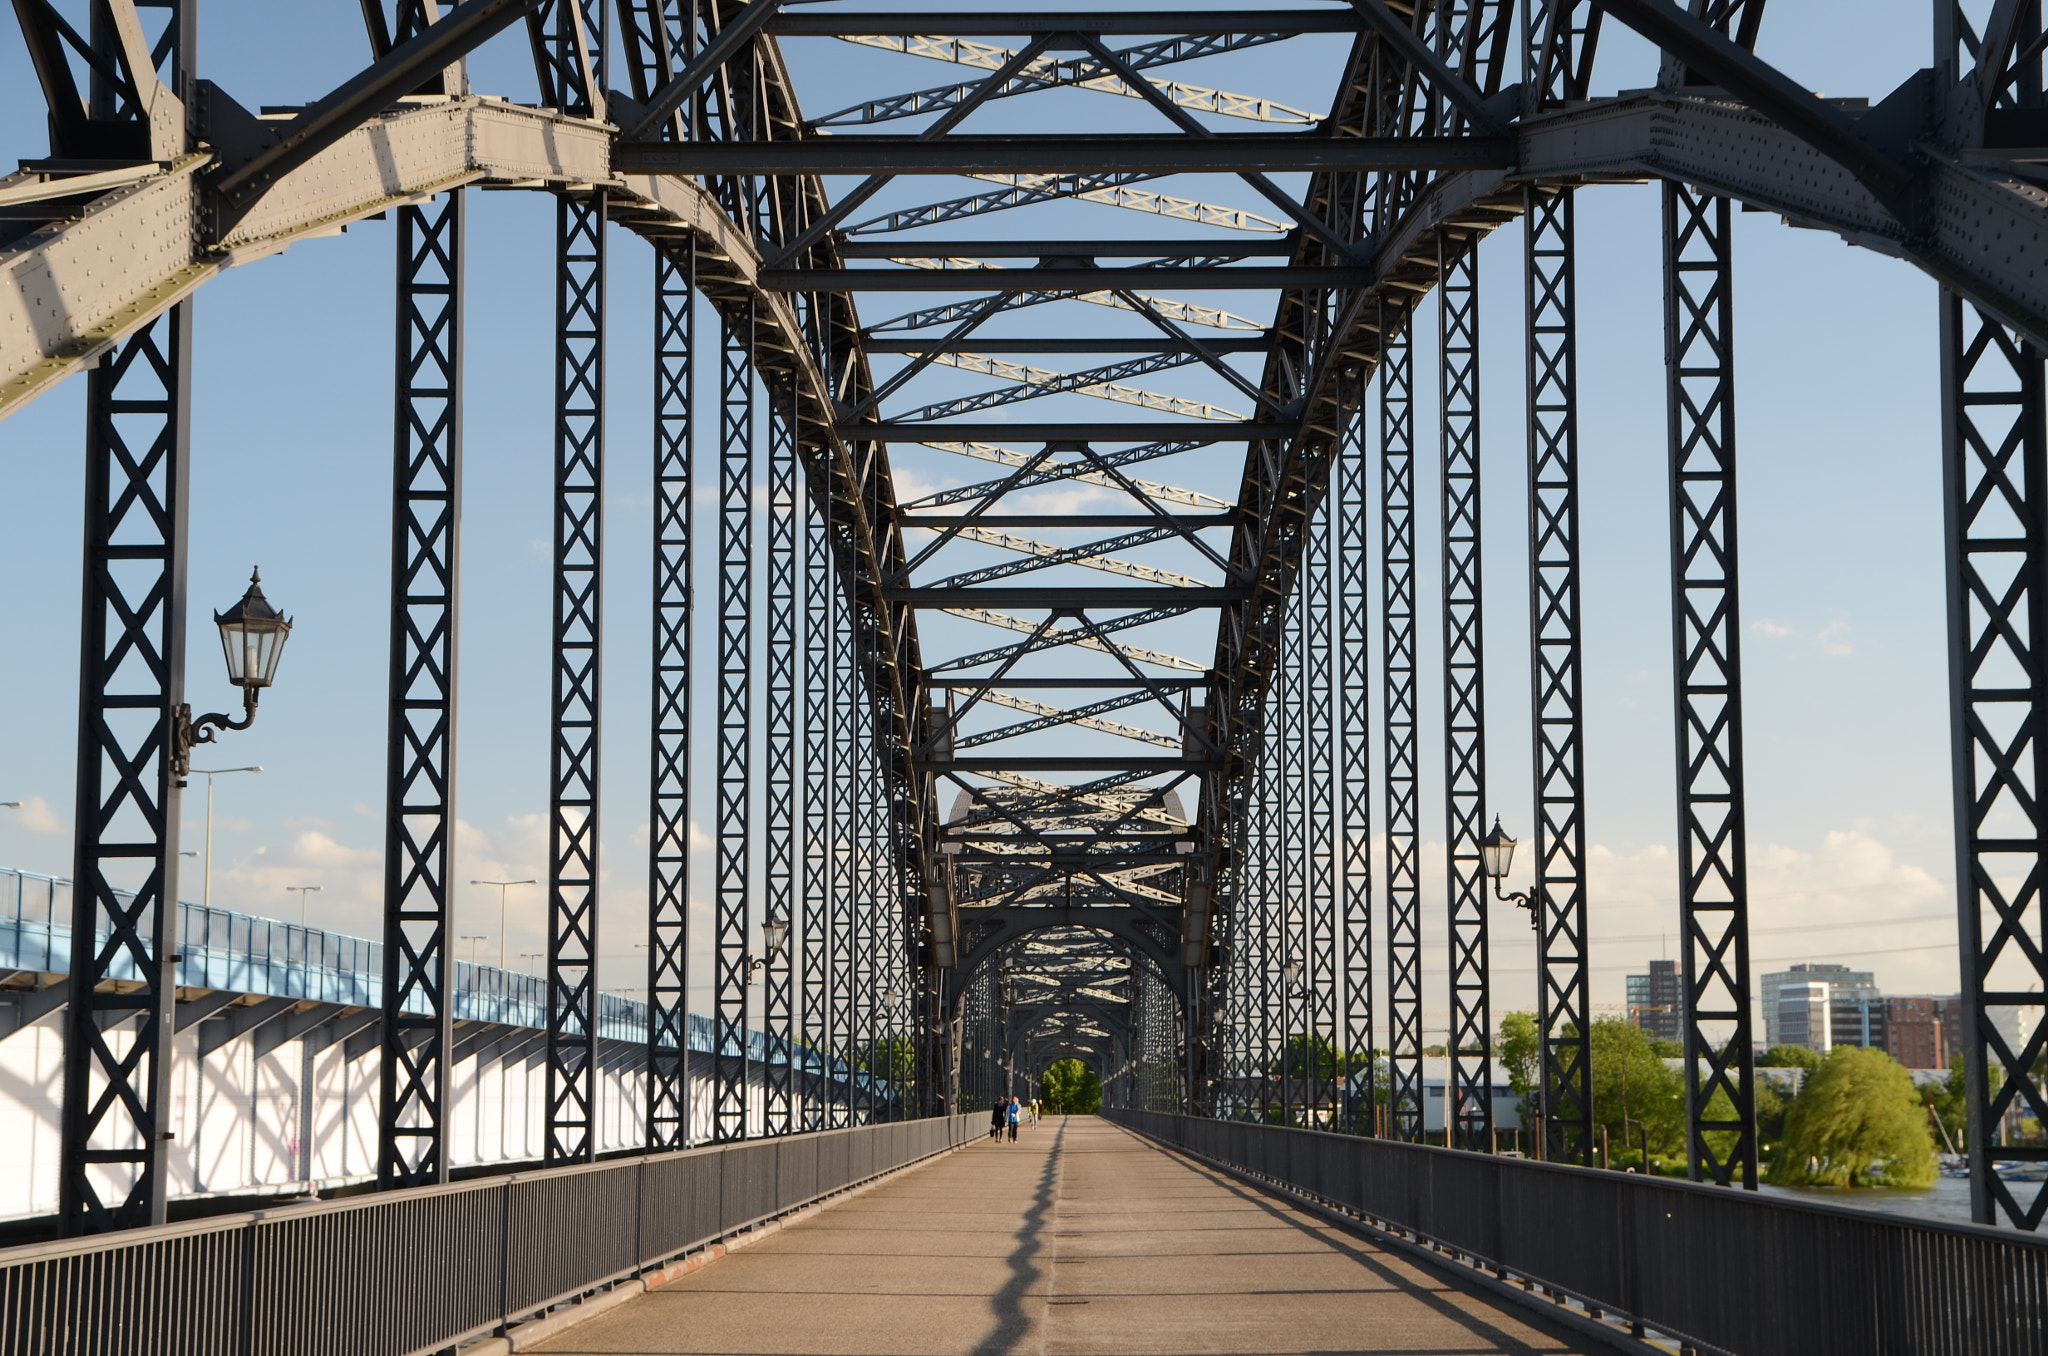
[419,813]
[946,857]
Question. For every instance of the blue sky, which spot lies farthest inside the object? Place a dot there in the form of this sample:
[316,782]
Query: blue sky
[1839,485]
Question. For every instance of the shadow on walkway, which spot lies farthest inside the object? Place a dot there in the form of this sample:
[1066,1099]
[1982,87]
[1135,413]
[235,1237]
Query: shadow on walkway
[1012,1323]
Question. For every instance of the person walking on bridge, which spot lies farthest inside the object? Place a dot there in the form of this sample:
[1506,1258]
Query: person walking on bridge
[996,1118]
[1015,1113]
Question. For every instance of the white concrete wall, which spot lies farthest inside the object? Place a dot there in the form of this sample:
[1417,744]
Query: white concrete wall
[238,1125]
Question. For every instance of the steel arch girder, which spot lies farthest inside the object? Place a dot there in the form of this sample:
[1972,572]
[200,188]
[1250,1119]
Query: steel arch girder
[1014,921]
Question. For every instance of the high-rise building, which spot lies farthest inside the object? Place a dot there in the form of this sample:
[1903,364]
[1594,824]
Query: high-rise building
[1805,1015]
[1656,1002]
[1913,1030]
[1805,973]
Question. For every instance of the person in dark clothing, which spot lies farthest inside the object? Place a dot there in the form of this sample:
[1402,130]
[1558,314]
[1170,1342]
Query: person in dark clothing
[996,1119]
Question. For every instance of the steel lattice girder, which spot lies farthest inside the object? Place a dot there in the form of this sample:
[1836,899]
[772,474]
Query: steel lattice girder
[419,828]
[668,850]
[1707,665]
[1703,137]
[578,647]
[1564,1010]
[1995,476]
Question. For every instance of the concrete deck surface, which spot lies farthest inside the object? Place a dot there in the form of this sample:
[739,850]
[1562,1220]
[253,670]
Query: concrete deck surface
[1079,1238]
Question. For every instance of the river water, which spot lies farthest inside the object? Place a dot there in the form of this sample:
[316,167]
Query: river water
[1948,1199]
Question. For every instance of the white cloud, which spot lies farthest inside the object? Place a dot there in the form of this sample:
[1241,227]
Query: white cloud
[1774,630]
[36,816]
[1834,639]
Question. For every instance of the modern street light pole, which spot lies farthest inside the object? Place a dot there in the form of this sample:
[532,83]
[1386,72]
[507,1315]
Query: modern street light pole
[303,891]
[503,885]
[206,889]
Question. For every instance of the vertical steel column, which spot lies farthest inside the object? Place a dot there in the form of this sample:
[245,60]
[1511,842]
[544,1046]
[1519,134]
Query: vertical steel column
[1319,766]
[419,791]
[578,653]
[1469,1100]
[1398,733]
[813,934]
[735,717]
[864,982]
[779,747]
[117,1093]
[668,849]
[1289,837]
[1354,750]
[1564,1011]
[1706,638]
[842,933]
[114,1136]
[1995,463]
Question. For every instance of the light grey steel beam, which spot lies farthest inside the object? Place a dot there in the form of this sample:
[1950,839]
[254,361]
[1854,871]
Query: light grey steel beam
[997,23]
[917,248]
[1064,599]
[1140,153]
[1136,344]
[1253,278]
[1107,431]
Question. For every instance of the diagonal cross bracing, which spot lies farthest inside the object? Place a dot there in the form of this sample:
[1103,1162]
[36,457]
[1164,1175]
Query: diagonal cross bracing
[1093,555]
[1055,637]
[1085,470]
[1080,73]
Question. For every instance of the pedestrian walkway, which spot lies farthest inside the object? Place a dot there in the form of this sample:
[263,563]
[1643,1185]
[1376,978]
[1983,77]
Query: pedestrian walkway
[1080,1238]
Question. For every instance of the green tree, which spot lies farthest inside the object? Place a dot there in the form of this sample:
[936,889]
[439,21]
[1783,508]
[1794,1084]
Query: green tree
[1071,1087]
[1520,1047]
[892,1059]
[1858,1122]
[1948,1101]
[1634,1089]
[1790,1057]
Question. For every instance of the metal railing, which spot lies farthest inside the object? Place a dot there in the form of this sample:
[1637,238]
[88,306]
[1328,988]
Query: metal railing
[1713,1267]
[240,953]
[419,1271]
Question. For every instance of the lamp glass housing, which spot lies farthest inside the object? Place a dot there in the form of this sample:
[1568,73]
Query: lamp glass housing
[1497,850]
[252,636]
[773,936]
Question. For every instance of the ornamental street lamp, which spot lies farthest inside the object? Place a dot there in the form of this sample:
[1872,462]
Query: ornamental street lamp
[773,935]
[1496,854]
[252,637]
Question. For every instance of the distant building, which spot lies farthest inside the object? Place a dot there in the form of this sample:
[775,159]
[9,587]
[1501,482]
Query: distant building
[1913,1032]
[1656,1002]
[1806,973]
[1805,1016]
[1857,1015]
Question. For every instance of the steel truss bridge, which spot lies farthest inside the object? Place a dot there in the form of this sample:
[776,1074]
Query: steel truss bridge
[1026,782]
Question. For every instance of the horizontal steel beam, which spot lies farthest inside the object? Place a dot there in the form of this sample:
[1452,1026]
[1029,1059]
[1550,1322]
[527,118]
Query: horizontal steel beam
[1141,153]
[975,684]
[997,23]
[1135,344]
[1226,277]
[1051,521]
[1218,431]
[1114,761]
[993,833]
[1028,599]
[911,248]
[1101,861]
